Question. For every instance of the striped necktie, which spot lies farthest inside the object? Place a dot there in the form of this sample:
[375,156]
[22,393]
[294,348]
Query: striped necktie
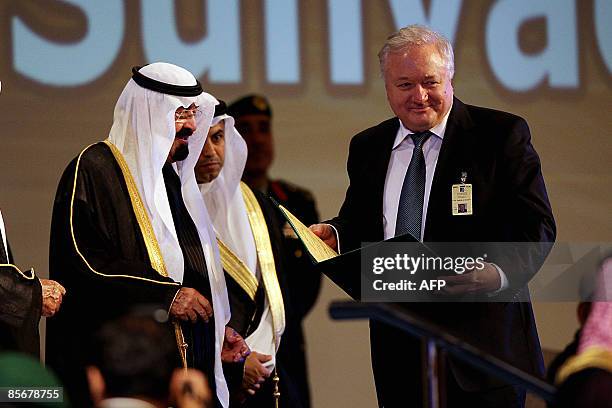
[410,207]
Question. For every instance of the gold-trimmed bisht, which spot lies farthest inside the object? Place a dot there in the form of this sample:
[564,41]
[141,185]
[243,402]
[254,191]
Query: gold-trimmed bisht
[146,229]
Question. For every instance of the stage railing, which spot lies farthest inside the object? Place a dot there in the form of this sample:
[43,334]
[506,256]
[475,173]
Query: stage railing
[437,340]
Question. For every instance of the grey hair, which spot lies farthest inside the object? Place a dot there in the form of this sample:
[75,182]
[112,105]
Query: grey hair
[418,35]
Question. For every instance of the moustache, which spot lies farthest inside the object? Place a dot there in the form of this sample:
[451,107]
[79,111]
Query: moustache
[184,133]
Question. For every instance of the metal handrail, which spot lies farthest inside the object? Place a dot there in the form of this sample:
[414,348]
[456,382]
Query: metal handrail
[393,315]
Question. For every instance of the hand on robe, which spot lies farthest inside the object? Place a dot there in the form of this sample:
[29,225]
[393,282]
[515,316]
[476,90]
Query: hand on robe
[255,372]
[235,348]
[326,233]
[52,293]
[483,280]
[189,389]
[189,304]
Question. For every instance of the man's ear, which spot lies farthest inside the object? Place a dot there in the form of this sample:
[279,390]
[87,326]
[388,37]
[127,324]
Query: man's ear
[97,387]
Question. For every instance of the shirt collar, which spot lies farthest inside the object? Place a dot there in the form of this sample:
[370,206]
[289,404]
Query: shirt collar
[437,130]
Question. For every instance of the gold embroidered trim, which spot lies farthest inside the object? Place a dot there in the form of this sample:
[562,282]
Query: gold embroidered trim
[238,270]
[76,246]
[266,259]
[157,261]
[319,250]
[16,269]
[145,227]
[593,357]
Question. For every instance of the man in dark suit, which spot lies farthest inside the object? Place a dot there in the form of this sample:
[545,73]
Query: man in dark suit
[402,174]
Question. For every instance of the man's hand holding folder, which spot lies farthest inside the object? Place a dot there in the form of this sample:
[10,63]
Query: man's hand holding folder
[327,235]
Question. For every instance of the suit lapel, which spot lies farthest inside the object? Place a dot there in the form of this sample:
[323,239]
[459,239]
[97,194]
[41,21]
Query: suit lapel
[455,157]
[379,166]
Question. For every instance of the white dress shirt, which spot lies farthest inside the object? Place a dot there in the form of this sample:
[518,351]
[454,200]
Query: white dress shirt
[401,155]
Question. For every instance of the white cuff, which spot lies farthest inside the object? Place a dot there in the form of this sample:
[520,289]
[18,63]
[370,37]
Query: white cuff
[337,237]
[504,281]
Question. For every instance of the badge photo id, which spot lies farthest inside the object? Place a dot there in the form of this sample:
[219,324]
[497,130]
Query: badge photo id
[462,199]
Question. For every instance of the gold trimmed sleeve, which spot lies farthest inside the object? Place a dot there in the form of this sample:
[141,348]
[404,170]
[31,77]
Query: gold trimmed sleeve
[593,357]
[29,274]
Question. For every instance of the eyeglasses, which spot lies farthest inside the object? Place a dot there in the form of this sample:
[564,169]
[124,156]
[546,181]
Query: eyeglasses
[187,114]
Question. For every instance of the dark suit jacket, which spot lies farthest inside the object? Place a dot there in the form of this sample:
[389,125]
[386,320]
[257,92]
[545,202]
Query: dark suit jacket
[510,205]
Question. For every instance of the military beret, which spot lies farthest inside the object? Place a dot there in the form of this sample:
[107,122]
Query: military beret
[250,105]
